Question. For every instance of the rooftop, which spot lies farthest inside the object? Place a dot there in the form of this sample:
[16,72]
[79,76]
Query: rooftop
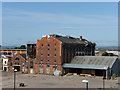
[69,39]
[95,62]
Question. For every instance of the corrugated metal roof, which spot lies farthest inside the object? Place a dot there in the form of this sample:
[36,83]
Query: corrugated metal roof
[85,66]
[96,62]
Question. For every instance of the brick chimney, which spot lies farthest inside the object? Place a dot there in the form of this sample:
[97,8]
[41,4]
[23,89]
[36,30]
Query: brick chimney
[80,37]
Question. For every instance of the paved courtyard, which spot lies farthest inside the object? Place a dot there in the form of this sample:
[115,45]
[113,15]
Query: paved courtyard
[48,81]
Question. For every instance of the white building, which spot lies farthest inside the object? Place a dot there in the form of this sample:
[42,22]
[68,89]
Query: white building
[5,64]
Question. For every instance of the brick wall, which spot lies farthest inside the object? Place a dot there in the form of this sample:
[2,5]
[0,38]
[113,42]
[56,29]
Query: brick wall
[48,55]
[16,62]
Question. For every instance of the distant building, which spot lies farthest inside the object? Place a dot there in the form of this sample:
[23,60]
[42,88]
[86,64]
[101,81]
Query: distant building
[95,65]
[31,50]
[52,51]
[11,52]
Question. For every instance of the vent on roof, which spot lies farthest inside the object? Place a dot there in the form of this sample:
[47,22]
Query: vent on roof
[55,35]
[68,36]
[80,37]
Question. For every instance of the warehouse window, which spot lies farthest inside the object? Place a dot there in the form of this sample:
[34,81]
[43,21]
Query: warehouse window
[48,49]
[54,68]
[48,60]
[41,54]
[55,49]
[48,54]
[55,60]
[55,54]
[41,44]
[48,66]
[17,58]
[48,44]
[41,60]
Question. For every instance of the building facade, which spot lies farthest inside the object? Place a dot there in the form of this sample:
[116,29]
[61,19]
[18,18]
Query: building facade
[31,56]
[18,62]
[31,50]
[52,51]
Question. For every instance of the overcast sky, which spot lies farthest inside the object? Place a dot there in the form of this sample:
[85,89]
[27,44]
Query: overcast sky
[28,22]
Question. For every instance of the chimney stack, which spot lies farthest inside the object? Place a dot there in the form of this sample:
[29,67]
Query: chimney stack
[80,37]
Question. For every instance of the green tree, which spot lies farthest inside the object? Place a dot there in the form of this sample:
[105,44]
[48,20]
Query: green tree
[22,47]
[108,54]
[93,44]
[105,54]
[16,48]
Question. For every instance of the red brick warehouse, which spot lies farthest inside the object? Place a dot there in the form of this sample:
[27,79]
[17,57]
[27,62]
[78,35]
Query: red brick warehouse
[52,51]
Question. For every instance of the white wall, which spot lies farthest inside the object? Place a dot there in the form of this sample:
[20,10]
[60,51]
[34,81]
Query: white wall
[5,64]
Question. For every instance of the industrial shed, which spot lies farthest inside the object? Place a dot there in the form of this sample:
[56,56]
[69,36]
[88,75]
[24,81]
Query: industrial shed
[95,65]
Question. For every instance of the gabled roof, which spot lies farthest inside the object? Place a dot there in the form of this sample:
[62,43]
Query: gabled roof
[91,62]
[69,39]
[22,55]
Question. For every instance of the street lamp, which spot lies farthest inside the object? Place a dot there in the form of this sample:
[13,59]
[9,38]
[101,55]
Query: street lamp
[85,81]
[104,83]
[15,70]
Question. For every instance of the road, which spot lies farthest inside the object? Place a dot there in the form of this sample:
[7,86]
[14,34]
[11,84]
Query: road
[48,81]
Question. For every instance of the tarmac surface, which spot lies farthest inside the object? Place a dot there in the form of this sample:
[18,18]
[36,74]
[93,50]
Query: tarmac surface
[48,81]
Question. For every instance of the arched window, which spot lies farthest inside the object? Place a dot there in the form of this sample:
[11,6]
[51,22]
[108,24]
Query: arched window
[17,58]
[48,66]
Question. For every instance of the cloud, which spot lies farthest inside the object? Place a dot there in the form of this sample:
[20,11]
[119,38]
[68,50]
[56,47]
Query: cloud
[43,17]
[88,28]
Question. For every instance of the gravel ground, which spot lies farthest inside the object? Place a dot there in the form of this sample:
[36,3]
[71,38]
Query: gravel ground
[47,81]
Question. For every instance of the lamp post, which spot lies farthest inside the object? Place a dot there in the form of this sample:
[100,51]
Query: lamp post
[104,83]
[15,70]
[85,81]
